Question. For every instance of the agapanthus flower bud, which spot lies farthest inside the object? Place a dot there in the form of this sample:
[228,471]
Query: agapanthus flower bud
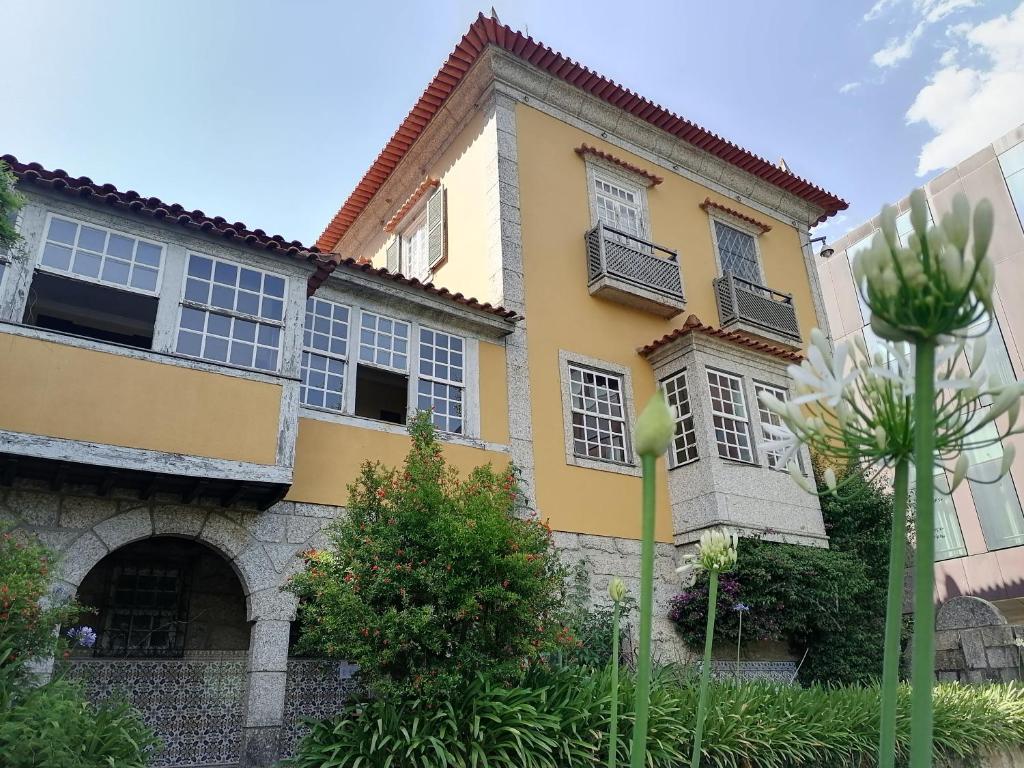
[1009,453]
[617,590]
[655,427]
[956,224]
[919,212]
[983,222]
[717,550]
[881,438]
[799,478]
[887,223]
[829,476]
[959,472]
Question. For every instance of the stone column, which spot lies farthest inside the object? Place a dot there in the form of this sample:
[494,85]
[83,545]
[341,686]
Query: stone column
[264,711]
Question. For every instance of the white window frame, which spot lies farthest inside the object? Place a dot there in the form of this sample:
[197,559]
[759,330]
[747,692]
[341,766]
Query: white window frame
[418,225]
[329,355]
[740,226]
[183,302]
[688,435]
[363,312]
[745,422]
[44,239]
[772,459]
[611,174]
[449,382]
[567,360]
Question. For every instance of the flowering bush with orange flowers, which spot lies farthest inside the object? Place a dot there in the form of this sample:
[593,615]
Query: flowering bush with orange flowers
[432,579]
[27,621]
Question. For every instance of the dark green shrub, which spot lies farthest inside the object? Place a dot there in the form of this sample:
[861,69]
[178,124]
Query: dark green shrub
[826,603]
[558,718]
[10,203]
[431,578]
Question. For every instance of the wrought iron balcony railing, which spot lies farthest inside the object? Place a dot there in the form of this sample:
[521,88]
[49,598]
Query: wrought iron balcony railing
[755,307]
[633,271]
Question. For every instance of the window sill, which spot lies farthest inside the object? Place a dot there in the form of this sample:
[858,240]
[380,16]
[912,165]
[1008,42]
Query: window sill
[604,465]
[743,463]
[683,464]
[362,422]
[152,355]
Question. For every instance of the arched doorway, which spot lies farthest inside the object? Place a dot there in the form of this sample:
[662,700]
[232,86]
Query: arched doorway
[172,638]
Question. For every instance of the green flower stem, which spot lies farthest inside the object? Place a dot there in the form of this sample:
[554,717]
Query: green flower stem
[894,617]
[613,726]
[705,669]
[923,650]
[638,753]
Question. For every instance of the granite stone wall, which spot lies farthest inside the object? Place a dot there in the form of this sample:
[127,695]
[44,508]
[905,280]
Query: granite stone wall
[975,644]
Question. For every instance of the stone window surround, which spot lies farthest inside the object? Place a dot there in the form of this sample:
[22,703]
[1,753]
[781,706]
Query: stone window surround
[633,182]
[682,373]
[740,225]
[471,369]
[699,353]
[565,358]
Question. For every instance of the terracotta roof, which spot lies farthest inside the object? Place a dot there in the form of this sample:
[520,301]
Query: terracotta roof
[426,185]
[709,203]
[324,267]
[586,149]
[85,188]
[488,31]
[693,324]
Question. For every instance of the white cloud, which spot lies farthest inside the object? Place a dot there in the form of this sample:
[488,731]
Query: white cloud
[969,107]
[849,87]
[878,9]
[930,12]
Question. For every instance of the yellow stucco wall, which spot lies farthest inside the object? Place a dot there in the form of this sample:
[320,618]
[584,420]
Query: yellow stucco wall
[561,314]
[462,171]
[328,457]
[81,394]
[493,393]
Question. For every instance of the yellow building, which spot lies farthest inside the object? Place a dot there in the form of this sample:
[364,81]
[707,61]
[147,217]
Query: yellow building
[184,399]
[641,249]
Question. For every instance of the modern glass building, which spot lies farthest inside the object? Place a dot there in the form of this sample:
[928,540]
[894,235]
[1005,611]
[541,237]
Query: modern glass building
[979,547]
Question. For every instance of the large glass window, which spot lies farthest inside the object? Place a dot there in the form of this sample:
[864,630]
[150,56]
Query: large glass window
[737,253]
[949,539]
[101,255]
[684,445]
[1012,164]
[442,379]
[231,314]
[618,207]
[324,354]
[997,503]
[382,376]
[851,253]
[729,416]
[998,369]
[598,414]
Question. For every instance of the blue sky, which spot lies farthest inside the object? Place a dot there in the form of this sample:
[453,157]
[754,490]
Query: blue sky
[270,112]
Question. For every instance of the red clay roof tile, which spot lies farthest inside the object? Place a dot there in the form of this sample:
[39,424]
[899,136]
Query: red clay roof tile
[586,149]
[489,31]
[693,324]
[709,203]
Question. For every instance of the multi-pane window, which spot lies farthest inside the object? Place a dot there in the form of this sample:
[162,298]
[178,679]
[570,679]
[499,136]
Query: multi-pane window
[684,444]
[231,314]
[598,415]
[729,416]
[441,379]
[101,255]
[143,618]
[1012,164]
[768,417]
[383,342]
[949,539]
[415,249]
[618,207]
[737,252]
[324,352]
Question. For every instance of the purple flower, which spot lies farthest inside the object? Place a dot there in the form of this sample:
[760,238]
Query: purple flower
[741,607]
[83,636]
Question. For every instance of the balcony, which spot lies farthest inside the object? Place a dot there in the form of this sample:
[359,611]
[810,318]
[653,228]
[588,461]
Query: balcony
[747,306]
[75,411]
[631,271]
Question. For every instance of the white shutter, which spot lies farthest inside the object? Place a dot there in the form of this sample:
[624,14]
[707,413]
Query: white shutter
[394,253]
[437,241]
